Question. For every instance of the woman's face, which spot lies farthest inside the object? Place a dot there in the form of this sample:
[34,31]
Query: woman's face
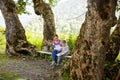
[55,38]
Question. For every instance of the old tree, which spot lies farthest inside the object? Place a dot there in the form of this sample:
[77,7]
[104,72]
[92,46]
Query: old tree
[44,9]
[16,41]
[94,44]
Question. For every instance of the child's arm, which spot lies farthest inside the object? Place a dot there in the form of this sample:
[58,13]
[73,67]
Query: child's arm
[64,52]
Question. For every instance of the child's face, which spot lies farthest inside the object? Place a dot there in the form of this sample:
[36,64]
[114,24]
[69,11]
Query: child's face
[63,44]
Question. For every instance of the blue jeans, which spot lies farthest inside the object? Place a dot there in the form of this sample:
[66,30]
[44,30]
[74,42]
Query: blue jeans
[54,53]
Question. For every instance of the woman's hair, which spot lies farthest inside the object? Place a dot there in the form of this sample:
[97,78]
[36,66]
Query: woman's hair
[55,35]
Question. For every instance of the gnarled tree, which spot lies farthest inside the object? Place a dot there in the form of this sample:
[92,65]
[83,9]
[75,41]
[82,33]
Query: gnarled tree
[113,71]
[114,43]
[87,62]
[44,9]
[16,41]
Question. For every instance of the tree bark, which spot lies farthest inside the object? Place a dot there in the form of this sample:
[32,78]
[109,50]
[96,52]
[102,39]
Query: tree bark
[112,71]
[44,9]
[87,62]
[16,41]
[114,44]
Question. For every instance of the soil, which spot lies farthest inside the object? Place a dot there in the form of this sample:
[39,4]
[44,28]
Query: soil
[32,69]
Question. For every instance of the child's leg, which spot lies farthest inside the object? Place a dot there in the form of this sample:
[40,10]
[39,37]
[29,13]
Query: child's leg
[61,57]
[59,60]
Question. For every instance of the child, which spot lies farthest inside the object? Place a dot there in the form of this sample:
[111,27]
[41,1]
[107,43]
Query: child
[64,52]
[57,48]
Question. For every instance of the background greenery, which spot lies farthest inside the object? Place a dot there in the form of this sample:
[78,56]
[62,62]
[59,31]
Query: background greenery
[36,38]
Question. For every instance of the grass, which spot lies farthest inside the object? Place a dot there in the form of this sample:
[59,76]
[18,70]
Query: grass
[66,76]
[7,75]
[3,59]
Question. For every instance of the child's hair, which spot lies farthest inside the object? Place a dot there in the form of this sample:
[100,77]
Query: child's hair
[64,41]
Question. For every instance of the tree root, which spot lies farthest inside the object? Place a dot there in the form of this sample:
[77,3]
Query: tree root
[22,47]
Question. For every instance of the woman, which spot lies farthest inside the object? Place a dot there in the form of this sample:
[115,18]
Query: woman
[57,48]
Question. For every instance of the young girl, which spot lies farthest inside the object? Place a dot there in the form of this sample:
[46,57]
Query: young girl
[64,51]
[57,48]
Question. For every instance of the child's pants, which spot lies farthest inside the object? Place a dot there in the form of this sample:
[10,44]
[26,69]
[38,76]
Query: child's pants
[59,60]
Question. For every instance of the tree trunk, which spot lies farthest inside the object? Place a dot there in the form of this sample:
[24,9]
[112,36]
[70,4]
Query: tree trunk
[114,44]
[87,62]
[16,41]
[44,9]
[112,71]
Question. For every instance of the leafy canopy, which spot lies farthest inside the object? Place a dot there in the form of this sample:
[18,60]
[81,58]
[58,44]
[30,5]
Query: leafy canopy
[22,5]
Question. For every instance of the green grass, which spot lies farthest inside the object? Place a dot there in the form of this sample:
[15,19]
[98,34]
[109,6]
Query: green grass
[3,59]
[66,76]
[7,75]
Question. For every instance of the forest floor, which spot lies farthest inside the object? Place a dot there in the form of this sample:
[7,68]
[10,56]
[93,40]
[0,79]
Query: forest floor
[27,69]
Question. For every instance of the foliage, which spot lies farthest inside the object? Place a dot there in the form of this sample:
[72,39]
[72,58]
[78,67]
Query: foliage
[34,38]
[118,57]
[118,7]
[2,39]
[21,5]
[53,2]
[111,69]
[71,40]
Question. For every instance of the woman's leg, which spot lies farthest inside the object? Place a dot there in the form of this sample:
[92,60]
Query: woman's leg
[53,55]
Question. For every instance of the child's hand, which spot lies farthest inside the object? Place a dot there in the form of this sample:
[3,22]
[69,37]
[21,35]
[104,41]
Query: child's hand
[62,53]
[59,54]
